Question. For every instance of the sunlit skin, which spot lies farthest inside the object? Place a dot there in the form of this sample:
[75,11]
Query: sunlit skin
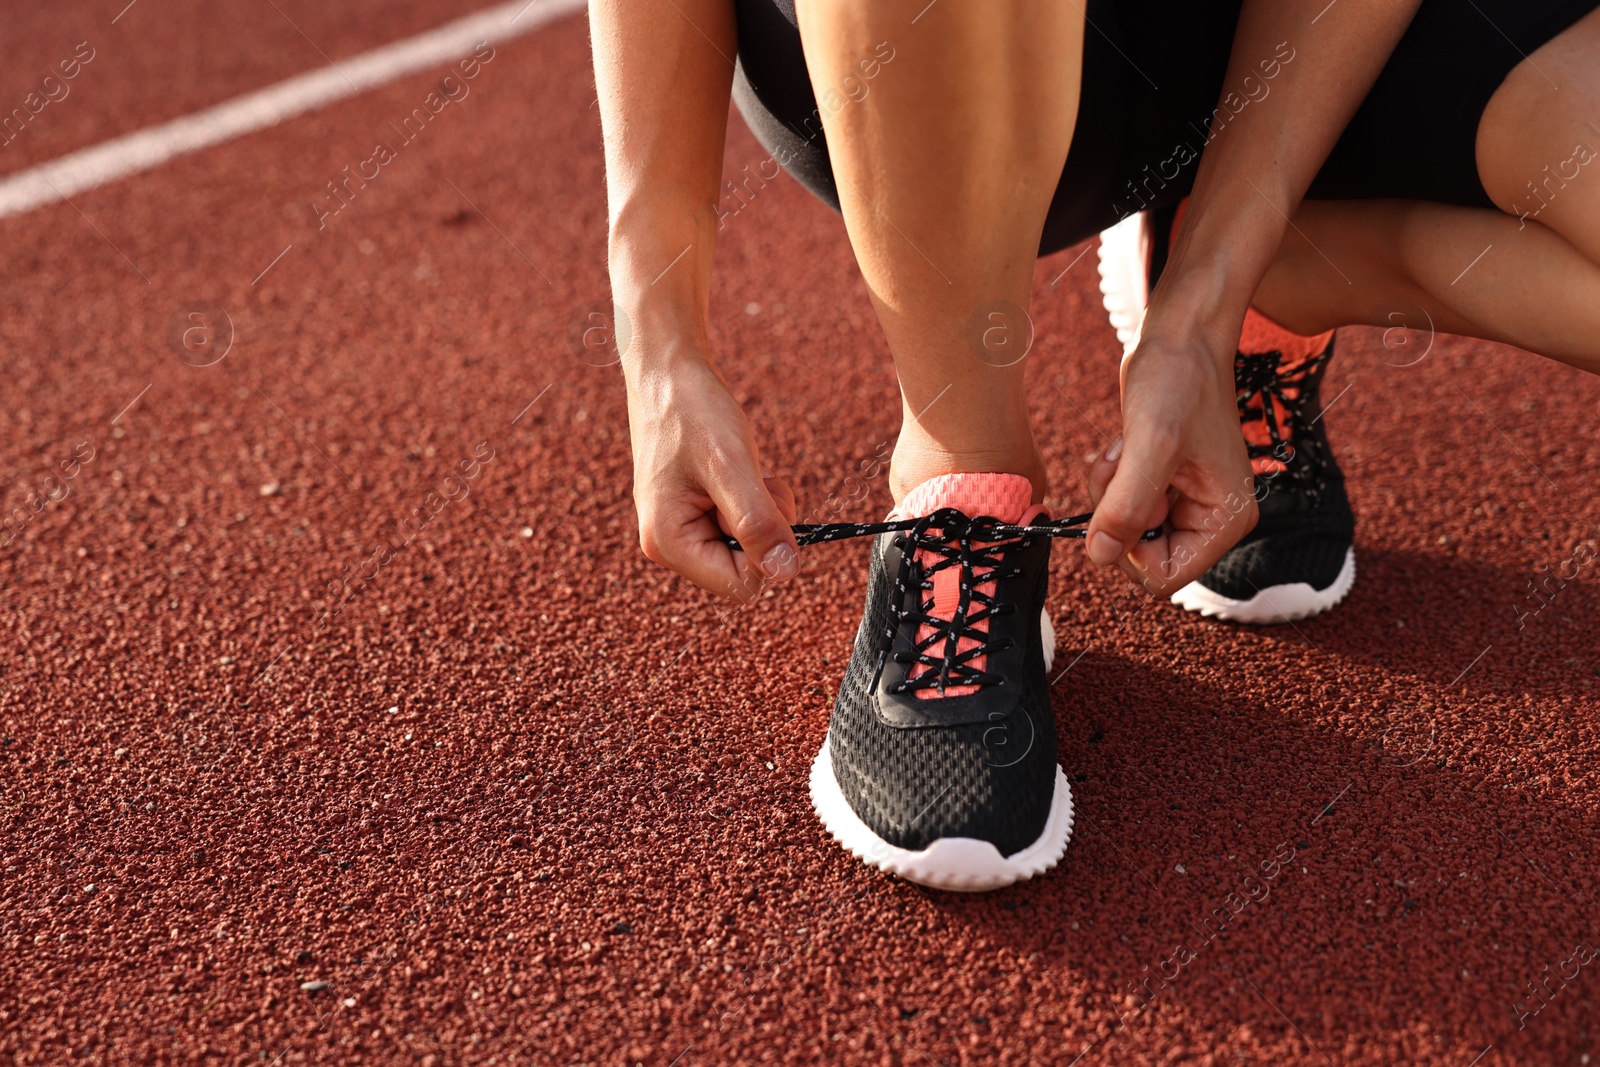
[945,173]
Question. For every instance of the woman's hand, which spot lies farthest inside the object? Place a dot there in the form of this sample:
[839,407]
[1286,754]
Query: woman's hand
[697,477]
[1181,463]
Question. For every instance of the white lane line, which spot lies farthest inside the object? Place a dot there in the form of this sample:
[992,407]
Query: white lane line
[109,161]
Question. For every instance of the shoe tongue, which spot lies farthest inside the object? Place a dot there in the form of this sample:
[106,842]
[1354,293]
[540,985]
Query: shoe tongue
[1007,497]
[1004,496]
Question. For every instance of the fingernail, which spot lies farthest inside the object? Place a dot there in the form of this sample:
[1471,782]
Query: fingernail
[780,563]
[1114,451]
[767,474]
[1103,548]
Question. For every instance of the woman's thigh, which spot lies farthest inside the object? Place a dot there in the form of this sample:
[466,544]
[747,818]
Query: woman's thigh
[1152,76]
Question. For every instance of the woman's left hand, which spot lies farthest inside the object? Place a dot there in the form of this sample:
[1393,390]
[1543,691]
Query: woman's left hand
[1182,465]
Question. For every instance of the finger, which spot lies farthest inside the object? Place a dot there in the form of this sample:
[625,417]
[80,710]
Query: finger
[1196,536]
[747,510]
[1102,465]
[678,532]
[683,526]
[1135,495]
[690,542]
[783,495]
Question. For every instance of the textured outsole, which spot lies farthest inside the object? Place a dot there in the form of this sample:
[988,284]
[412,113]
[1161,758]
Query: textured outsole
[1124,265]
[1274,605]
[961,864]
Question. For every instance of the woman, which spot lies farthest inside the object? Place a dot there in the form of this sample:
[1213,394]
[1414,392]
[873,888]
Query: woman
[1443,144]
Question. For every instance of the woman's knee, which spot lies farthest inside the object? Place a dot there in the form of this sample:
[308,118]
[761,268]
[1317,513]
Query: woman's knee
[1538,146]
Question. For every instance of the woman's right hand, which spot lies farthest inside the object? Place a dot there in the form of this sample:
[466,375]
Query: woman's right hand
[697,477]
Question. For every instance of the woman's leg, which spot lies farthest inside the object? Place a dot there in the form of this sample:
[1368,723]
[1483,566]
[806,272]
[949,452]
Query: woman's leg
[945,169]
[1527,275]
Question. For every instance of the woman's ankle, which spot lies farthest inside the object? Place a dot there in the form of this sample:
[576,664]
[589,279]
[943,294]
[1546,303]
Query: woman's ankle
[914,463]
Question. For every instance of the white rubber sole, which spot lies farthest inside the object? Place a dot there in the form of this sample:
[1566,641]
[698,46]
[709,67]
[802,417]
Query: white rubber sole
[1124,257]
[961,864]
[1273,605]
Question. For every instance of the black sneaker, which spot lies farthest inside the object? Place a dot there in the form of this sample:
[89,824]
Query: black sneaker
[1299,560]
[940,762]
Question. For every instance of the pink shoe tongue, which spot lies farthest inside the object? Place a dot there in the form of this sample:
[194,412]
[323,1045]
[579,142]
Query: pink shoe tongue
[1005,496]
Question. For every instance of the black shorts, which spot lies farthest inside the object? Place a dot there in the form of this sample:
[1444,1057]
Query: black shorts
[1152,81]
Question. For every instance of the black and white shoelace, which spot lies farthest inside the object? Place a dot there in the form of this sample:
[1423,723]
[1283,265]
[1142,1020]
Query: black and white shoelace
[1263,387]
[977,546]
[955,524]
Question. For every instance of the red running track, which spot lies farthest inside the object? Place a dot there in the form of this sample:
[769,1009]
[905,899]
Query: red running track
[530,799]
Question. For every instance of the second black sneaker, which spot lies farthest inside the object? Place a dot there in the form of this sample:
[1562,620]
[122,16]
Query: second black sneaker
[1299,560]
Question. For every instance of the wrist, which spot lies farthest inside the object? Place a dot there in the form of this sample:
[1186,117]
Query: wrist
[1225,245]
[653,368]
[659,259]
[1203,316]
[659,328]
